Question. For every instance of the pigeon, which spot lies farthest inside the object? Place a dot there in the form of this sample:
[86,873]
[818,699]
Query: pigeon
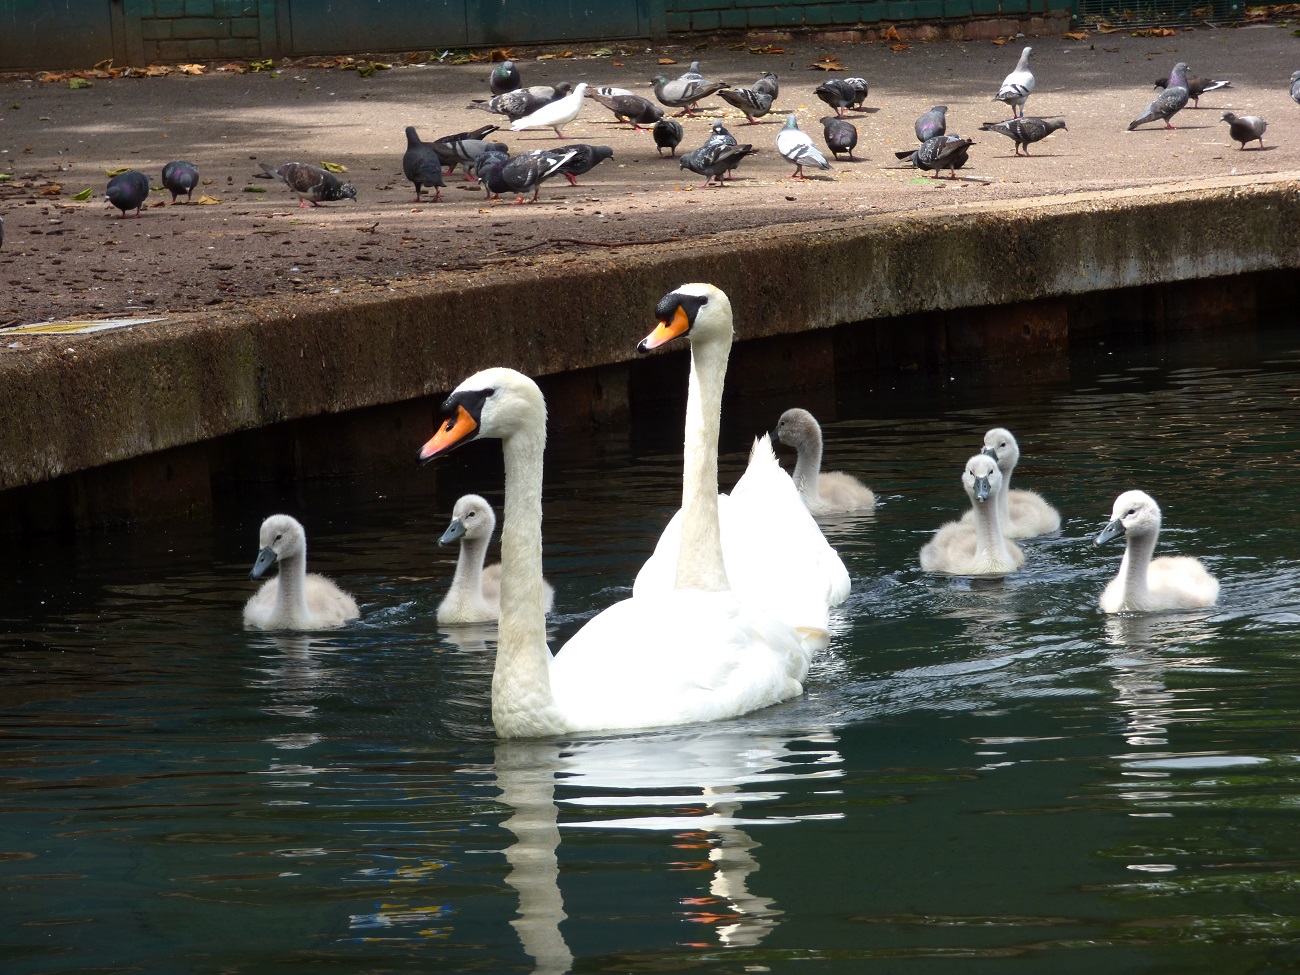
[422,165]
[2,231]
[939,153]
[1017,86]
[932,123]
[631,108]
[720,136]
[504,78]
[311,183]
[1026,129]
[860,91]
[667,135]
[583,158]
[768,85]
[128,191]
[692,73]
[684,94]
[464,152]
[526,171]
[496,152]
[608,91]
[1169,102]
[797,147]
[841,136]
[716,160]
[524,101]
[180,177]
[754,103]
[555,115]
[1245,128]
[838,93]
[1295,87]
[1196,87]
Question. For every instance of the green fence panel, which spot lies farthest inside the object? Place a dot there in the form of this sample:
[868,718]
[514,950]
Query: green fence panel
[55,33]
[348,26]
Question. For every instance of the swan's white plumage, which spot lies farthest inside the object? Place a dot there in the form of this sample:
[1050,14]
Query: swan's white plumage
[976,547]
[294,599]
[475,592]
[1149,585]
[823,492]
[1024,514]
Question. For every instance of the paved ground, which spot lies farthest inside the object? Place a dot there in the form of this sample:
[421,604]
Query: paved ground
[62,258]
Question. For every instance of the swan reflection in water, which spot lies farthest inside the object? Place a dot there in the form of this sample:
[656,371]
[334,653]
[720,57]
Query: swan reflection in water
[675,782]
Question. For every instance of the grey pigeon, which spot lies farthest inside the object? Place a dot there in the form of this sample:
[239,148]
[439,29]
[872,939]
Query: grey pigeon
[638,111]
[311,183]
[1196,87]
[517,104]
[128,191]
[1295,87]
[684,94]
[692,73]
[583,158]
[716,160]
[180,177]
[448,146]
[1026,129]
[942,152]
[838,93]
[932,123]
[1245,128]
[754,103]
[768,85]
[504,78]
[495,153]
[840,135]
[860,91]
[526,171]
[2,231]
[1169,102]
[422,165]
[720,136]
[797,147]
[667,135]
[465,152]
[1018,85]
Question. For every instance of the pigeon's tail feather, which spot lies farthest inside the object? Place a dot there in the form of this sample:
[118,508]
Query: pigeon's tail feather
[271,171]
[1217,85]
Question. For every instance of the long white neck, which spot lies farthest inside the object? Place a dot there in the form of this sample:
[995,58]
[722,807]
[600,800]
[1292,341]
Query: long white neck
[989,542]
[1004,495]
[468,579]
[1138,548]
[699,561]
[291,593]
[809,465]
[522,703]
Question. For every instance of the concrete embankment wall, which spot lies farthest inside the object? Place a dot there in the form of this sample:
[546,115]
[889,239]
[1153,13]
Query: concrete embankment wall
[144,422]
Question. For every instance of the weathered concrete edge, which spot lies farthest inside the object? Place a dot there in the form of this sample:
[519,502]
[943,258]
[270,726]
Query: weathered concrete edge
[119,395]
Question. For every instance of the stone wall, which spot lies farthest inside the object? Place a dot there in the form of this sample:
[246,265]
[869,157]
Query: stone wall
[201,30]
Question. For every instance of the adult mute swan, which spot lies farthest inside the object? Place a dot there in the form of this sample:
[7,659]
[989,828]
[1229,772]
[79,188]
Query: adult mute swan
[776,557]
[1144,584]
[1024,513]
[681,656]
[475,593]
[295,599]
[824,492]
[977,547]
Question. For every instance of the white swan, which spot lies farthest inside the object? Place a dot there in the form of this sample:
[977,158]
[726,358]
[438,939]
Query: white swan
[686,655]
[294,599]
[1024,513]
[824,492]
[1144,584]
[775,555]
[977,547]
[475,593]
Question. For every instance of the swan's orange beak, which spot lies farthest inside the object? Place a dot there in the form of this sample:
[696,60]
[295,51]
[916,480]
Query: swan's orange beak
[666,331]
[455,431]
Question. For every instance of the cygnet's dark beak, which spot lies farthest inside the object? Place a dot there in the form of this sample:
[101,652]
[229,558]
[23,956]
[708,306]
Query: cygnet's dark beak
[982,489]
[1113,530]
[454,531]
[265,559]
[990,452]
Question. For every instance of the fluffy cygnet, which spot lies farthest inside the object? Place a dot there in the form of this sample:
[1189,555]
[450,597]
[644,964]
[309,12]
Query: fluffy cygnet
[824,492]
[475,593]
[977,547]
[1024,513]
[1145,584]
[294,599]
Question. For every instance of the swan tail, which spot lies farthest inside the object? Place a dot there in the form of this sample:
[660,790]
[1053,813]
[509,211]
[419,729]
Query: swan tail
[812,639]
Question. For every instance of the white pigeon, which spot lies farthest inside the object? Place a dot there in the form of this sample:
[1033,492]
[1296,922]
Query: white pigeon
[797,146]
[1018,85]
[556,115]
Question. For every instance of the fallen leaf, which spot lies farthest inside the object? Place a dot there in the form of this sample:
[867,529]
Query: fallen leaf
[54,189]
[890,33]
[6,177]
[502,54]
[206,200]
[330,167]
[191,68]
[999,40]
[566,54]
[160,70]
[1107,29]
[1155,32]
[546,57]
[76,83]
[900,47]
[667,61]
[117,172]
[602,52]
[84,194]
[1076,36]
[264,65]
[829,62]
[616,64]
[43,118]
[104,65]
[234,67]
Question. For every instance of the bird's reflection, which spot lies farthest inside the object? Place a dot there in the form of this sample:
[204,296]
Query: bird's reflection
[685,784]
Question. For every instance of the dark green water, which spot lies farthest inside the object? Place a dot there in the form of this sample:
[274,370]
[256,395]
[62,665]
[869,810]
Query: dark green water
[982,777]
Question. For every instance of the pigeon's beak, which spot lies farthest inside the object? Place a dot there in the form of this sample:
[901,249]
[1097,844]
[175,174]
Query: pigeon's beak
[666,331]
[456,430]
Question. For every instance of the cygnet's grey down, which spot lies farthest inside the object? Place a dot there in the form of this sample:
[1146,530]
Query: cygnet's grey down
[1144,584]
[475,593]
[976,547]
[824,492]
[1023,514]
[294,599]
